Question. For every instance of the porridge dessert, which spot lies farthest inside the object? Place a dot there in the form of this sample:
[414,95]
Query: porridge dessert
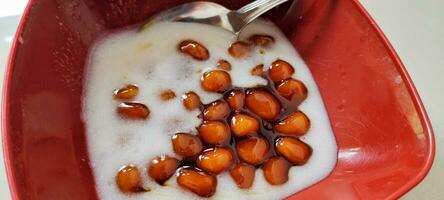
[190,111]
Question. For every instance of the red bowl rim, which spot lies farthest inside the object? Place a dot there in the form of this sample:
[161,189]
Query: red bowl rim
[6,94]
[422,114]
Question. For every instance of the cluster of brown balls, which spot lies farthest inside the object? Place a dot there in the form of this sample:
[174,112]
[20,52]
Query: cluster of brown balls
[248,128]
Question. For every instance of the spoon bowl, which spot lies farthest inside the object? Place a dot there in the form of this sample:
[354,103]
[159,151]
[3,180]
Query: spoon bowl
[214,14]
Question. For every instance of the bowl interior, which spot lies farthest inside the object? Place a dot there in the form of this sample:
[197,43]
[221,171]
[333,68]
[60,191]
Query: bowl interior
[384,138]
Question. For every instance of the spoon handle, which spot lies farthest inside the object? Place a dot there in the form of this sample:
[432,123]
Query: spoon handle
[257,8]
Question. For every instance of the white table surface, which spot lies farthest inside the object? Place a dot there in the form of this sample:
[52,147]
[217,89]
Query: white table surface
[416,30]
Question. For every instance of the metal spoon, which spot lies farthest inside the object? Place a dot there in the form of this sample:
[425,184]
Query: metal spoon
[209,13]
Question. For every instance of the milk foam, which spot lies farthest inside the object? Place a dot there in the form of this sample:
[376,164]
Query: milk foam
[150,59]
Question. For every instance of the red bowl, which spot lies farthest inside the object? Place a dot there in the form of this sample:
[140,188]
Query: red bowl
[385,139]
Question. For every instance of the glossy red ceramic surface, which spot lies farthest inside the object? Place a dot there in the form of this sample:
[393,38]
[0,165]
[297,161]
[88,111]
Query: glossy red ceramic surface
[385,139]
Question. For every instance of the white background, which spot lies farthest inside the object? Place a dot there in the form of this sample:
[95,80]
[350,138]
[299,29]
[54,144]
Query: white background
[414,27]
